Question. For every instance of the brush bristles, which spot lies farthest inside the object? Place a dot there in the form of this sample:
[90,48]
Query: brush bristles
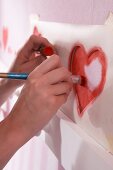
[80,80]
[83,81]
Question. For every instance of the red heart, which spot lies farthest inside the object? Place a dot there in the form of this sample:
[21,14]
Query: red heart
[83,64]
[5,37]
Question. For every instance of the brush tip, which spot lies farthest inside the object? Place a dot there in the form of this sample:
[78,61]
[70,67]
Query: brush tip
[83,81]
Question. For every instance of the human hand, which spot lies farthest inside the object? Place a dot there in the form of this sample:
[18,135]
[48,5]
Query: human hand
[27,58]
[46,89]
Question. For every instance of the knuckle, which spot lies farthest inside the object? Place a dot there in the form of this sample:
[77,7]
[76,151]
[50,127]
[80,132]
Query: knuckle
[31,82]
[44,39]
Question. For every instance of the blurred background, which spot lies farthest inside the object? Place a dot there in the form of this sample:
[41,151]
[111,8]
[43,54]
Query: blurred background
[17,20]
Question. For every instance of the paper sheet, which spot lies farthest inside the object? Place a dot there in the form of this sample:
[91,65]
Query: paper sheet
[97,120]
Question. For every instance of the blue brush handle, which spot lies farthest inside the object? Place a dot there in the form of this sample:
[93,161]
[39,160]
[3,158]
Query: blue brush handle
[22,76]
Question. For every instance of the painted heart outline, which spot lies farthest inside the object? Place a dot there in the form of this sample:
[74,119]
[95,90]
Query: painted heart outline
[79,59]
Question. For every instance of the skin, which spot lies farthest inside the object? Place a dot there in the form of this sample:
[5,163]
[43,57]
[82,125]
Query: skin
[26,61]
[45,90]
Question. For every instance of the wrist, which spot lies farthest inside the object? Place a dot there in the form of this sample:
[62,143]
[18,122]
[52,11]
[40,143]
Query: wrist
[13,84]
[19,124]
[21,118]
[6,89]
[10,135]
[7,84]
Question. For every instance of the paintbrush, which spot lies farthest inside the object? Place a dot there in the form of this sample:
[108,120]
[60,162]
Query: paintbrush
[76,79]
[45,51]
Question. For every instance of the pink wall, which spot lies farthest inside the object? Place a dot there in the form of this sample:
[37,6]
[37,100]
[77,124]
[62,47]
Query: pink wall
[72,11]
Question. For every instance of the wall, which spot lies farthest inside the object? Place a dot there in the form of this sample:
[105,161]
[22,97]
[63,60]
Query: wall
[15,15]
[72,11]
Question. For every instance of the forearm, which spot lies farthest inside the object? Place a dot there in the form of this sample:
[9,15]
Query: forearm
[7,87]
[12,138]
[7,143]
[15,130]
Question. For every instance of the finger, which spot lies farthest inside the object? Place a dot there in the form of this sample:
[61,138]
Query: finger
[57,75]
[39,57]
[34,43]
[49,64]
[32,64]
[61,88]
[39,41]
[61,99]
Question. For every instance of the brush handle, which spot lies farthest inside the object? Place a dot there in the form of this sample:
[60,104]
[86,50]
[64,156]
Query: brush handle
[21,76]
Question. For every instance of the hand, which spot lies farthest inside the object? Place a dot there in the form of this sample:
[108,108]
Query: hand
[46,89]
[27,58]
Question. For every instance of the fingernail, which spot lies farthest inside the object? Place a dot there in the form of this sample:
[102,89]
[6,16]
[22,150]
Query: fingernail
[48,57]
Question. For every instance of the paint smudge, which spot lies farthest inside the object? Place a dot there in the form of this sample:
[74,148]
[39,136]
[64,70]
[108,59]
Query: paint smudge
[5,37]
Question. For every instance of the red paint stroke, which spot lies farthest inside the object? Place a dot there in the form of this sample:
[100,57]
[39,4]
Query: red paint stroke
[79,58]
[35,31]
[5,37]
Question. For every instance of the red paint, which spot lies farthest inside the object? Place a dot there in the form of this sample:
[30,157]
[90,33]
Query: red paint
[47,51]
[5,37]
[36,32]
[79,58]
[83,81]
